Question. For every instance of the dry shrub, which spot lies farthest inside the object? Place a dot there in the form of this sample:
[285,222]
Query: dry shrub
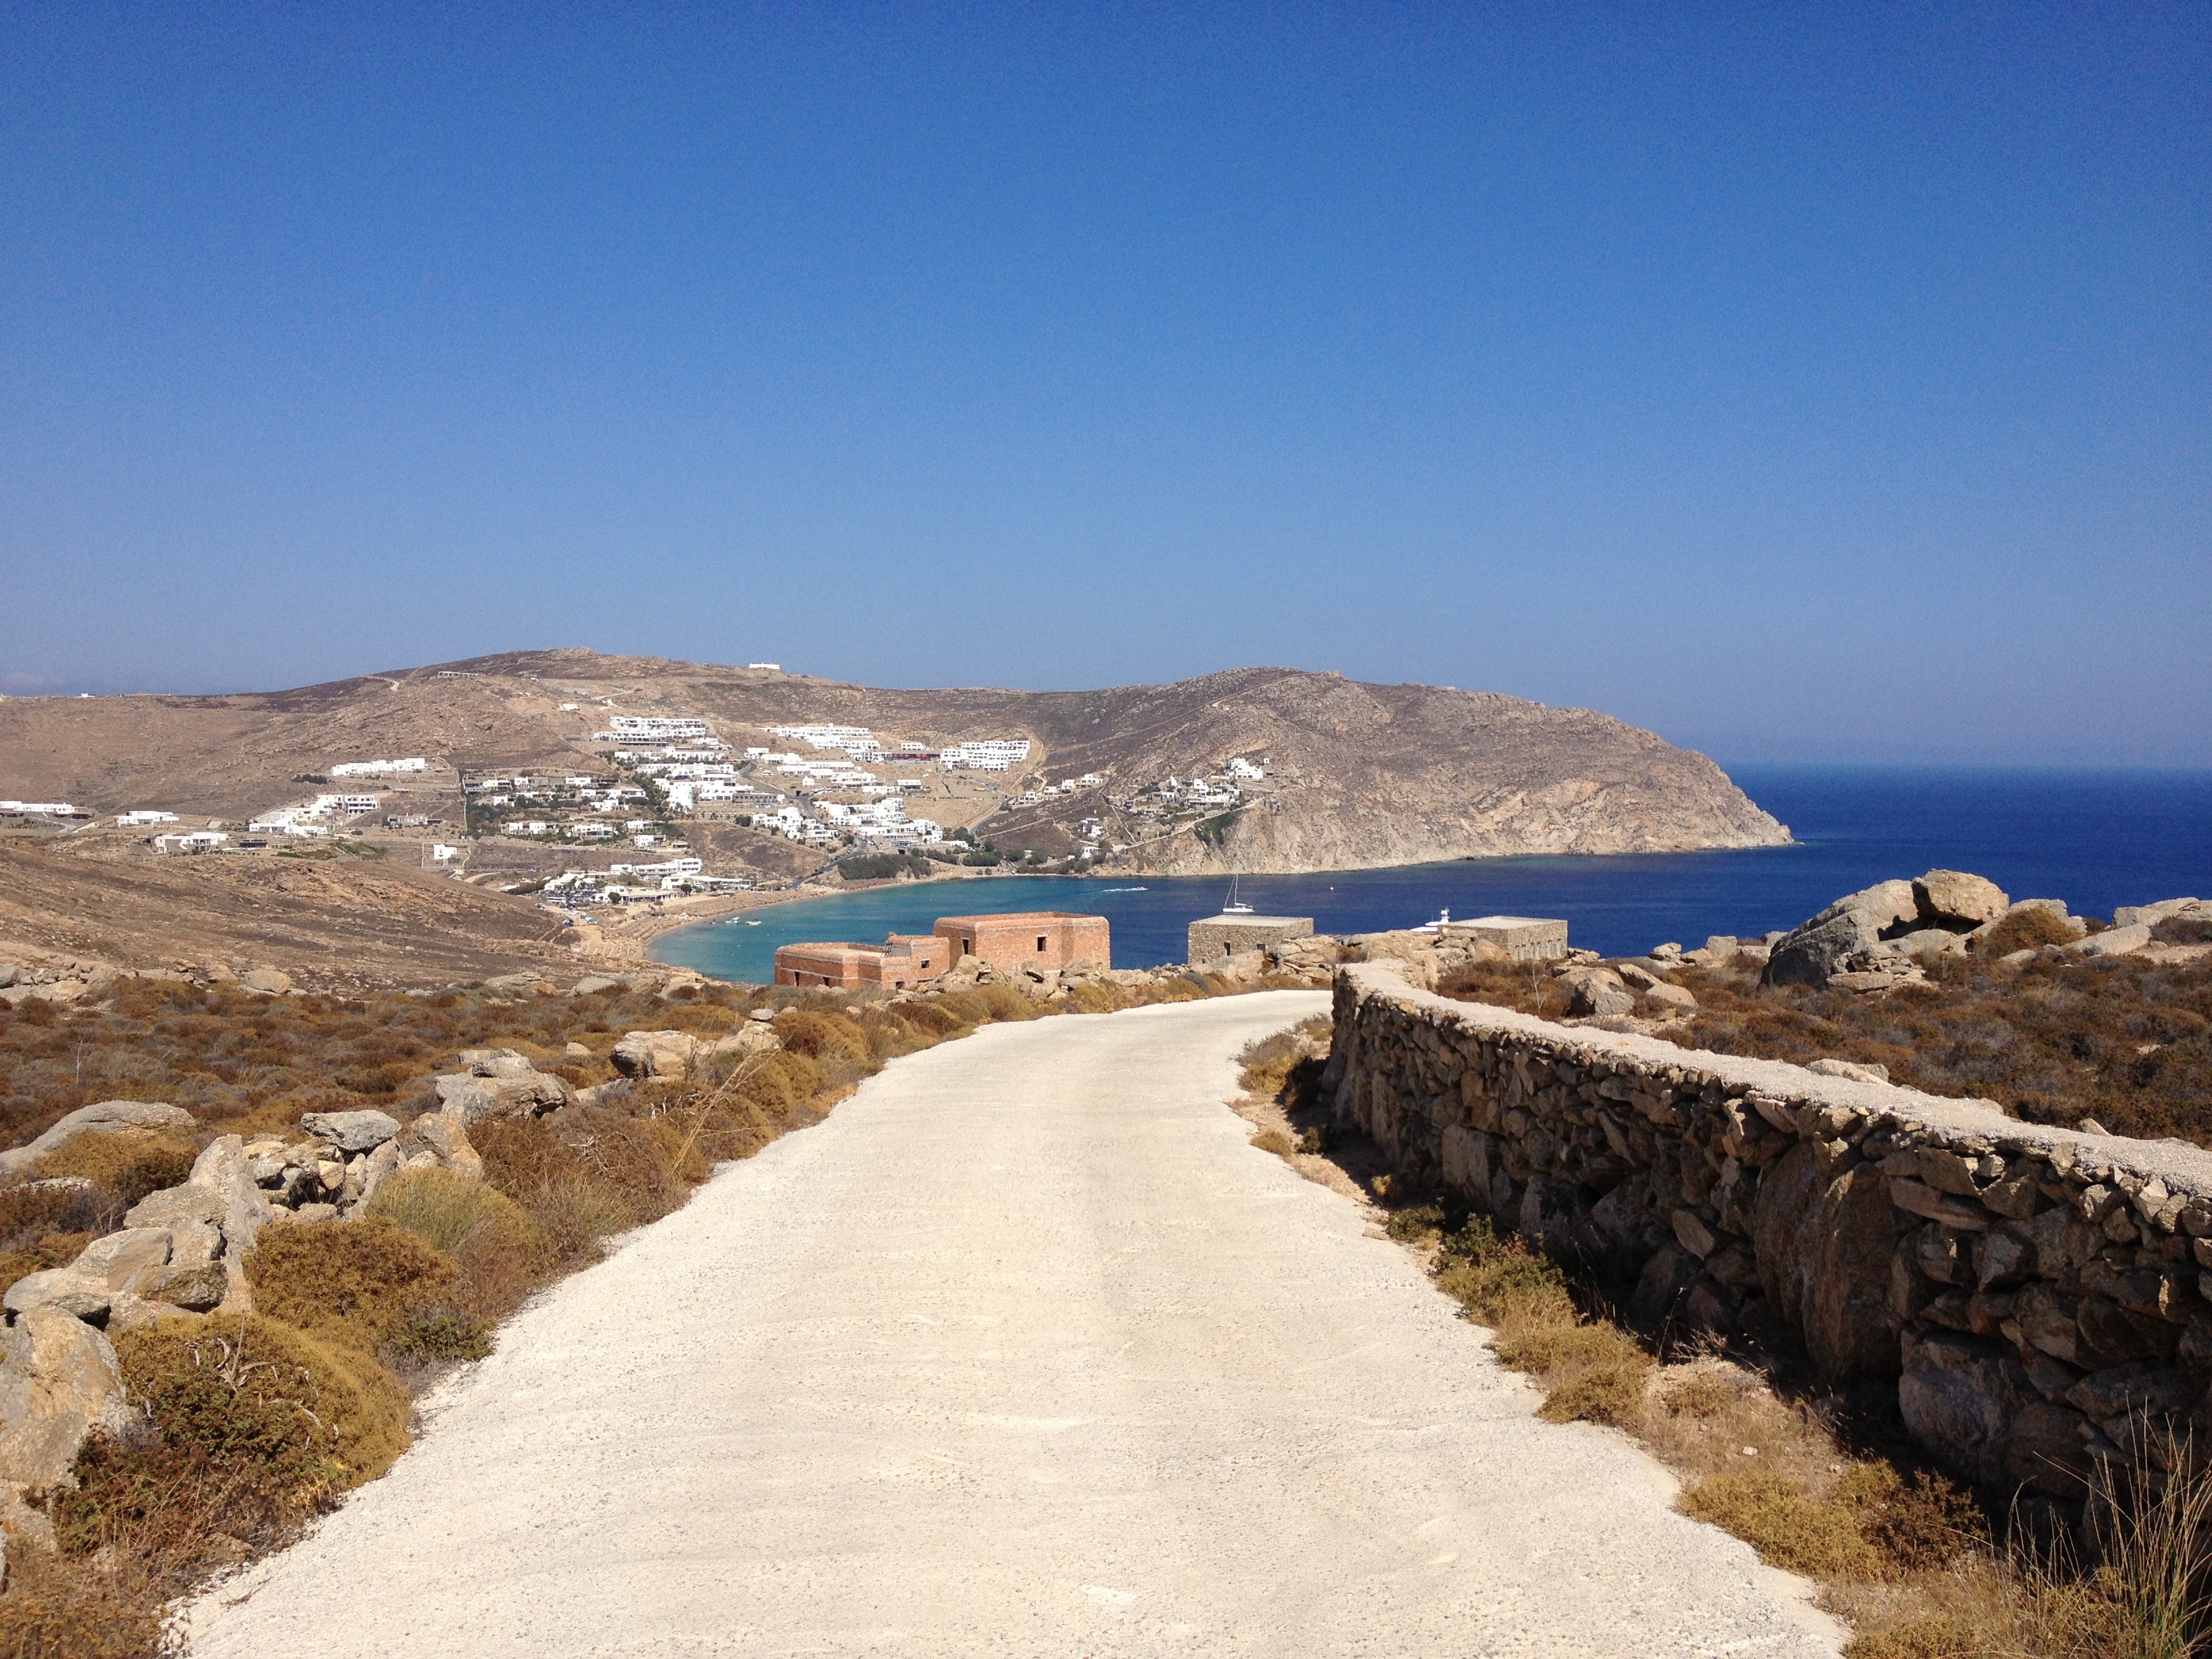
[2023,930]
[54,1610]
[501,1255]
[1590,1370]
[353,1283]
[45,1227]
[1266,1063]
[820,1035]
[1820,1539]
[1087,998]
[586,1174]
[250,1428]
[1275,1141]
[125,1164]
[1940,1636]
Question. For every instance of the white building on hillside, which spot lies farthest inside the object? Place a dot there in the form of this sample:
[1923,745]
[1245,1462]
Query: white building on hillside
[655,728]
[986,755]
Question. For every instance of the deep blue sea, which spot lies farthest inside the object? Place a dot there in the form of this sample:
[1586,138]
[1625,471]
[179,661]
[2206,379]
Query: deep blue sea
[2095,839]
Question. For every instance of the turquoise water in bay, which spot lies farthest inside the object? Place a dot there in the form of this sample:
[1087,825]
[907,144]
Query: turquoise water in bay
[2096,840]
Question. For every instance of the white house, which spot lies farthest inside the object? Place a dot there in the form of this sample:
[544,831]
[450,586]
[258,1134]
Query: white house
[656,728]
[134,820]
[987,754]
[198,841]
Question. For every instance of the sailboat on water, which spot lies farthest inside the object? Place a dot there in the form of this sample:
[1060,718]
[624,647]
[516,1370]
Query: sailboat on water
[1232,906]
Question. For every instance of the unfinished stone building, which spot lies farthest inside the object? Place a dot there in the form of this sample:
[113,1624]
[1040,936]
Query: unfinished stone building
[1216,938]
[1046,940]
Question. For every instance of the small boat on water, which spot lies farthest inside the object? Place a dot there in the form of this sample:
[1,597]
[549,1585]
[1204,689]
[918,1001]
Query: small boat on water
[1230,907]
[1442,920]
[1122,889]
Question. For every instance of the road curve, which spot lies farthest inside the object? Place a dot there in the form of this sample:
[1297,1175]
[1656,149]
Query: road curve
[1025,1351]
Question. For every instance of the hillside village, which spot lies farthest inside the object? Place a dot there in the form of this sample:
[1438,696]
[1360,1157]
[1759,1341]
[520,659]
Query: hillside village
[647,814]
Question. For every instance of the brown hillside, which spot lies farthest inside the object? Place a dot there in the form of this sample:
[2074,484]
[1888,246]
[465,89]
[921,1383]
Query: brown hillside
[340,924]
[1359,774]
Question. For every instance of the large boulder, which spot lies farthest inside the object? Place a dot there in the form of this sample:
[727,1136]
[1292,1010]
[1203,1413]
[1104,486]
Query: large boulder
[58,1381]
[108,1268]
[643,1054]
[2148,916]
[1598,991]
[2113,941]
[103,1117]
[1954,900]
[271,982]
[220,1193]
[1824,1247]
[1852,935]
[1959,1396]
[495,1062]
[351,1132]
[438,1140]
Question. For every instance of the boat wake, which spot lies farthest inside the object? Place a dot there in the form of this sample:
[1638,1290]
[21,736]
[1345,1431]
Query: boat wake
[1122,889]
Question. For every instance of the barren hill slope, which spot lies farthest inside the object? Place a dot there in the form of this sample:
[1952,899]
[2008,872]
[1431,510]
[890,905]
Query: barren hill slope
[1359,774]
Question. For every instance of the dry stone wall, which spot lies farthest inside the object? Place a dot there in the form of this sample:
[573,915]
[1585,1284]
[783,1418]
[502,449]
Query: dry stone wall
[2036,1294]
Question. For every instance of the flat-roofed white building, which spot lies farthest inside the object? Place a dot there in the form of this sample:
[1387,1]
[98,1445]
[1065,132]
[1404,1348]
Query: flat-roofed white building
[987,754]
[656,728]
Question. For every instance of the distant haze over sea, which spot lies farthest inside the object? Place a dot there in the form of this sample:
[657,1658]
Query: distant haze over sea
[2095,839]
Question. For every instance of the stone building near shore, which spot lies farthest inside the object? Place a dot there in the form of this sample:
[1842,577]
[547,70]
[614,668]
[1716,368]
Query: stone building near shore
[1046,940]
[902,960]
[1216,938]
[1043,941]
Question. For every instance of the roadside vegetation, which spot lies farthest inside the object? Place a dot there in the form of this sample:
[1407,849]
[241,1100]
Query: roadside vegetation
[1820,1482]
[252,1426]
[2122,1041]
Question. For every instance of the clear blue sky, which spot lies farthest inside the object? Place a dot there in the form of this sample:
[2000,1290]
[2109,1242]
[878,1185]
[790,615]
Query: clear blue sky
[1805,382]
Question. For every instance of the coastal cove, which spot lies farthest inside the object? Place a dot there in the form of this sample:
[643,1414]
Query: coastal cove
[2095,839]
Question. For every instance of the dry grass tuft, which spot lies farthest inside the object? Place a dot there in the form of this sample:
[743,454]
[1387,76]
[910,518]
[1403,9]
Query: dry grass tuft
[1785,1525]
[1590,1370]
[500,1253]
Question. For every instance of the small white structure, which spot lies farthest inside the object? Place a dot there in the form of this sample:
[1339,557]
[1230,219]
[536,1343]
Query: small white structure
[51,809]
[134,820]
[442,853]
[366,768]
[656,728]
[197,841]
[770,668]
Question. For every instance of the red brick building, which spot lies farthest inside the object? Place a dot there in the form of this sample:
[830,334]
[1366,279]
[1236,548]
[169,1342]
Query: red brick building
[1043,939]
[1028,938]
[902,960]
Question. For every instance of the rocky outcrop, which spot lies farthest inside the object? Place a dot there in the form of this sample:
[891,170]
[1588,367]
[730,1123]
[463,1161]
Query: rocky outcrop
[59,1381]
[214,1216]
[2037,1297]
[645,1054]
[1884,935]
[104,1117]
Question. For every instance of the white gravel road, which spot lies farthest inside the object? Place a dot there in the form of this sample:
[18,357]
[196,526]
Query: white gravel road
[1025,1351]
